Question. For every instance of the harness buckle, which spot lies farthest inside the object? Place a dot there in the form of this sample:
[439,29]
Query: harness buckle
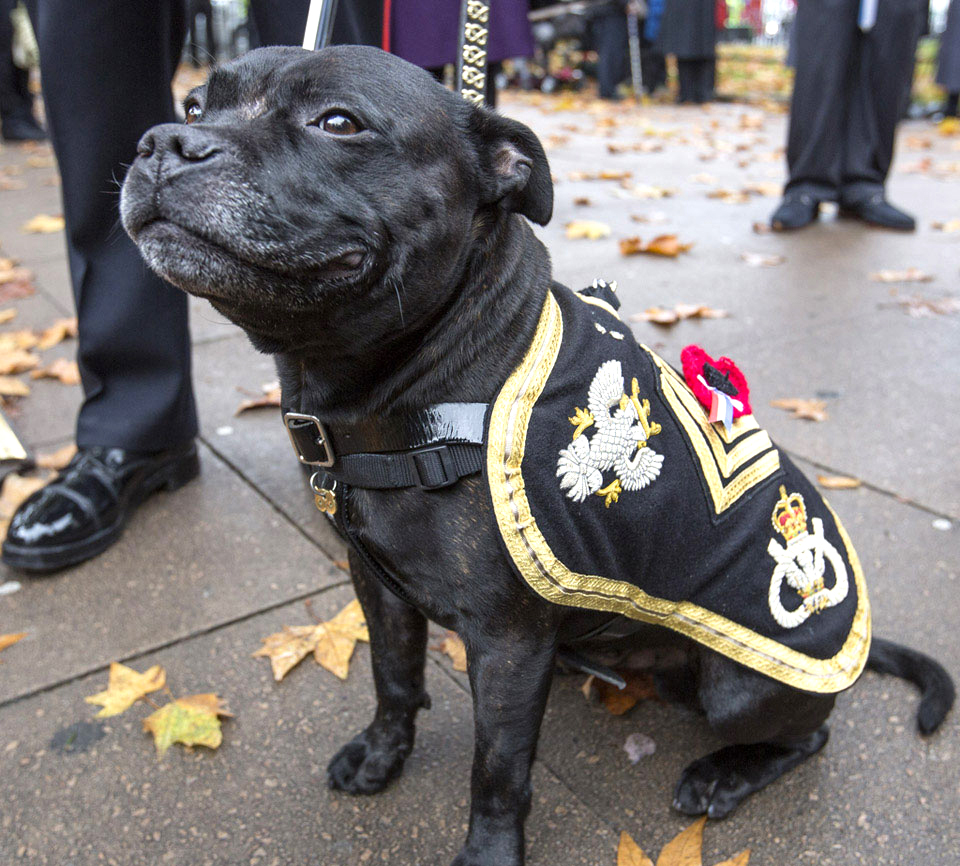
[309,439]
[433,467]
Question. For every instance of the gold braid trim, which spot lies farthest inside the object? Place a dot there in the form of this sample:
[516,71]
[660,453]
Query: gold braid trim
[473,57]
[551,579]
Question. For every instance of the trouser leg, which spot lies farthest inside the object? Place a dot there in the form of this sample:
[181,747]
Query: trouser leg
[16,101]
[686,76]
[107,68]
[825,38]
[885,61]
[611,37]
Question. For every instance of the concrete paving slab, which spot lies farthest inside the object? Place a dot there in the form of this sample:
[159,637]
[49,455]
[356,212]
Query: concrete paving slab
[877,794]
[261,798]
[255,441]
[211,552]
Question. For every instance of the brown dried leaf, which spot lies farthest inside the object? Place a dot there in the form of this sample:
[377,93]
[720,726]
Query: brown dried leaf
[685,848]
[43,224]
[646,191]
[7,183]
[910,275]
[762,228]
[662,245]
[839,482]
[741,859]
[13,387]
[38,161]
[23,339]
[7,315]
[767,188]
[629,852]
[921,307]
[59,331]
[640,687]
[606,174]
[16,289]
[635,147]
[10,639]
[729,196]
[62,370]
[14,361]
[811,410]
[667,316]
[453,646]
[58,459]
[949,226]
[11,273]
[762,260]
[589,229]
[16,488]
[582,201]
[270,399]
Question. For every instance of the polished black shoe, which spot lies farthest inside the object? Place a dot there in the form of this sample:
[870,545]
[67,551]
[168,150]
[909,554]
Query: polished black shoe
[22,129]
[877,211]
[83,511]
[798,209]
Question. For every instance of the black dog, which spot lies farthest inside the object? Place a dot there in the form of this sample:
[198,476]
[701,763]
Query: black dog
[365,226]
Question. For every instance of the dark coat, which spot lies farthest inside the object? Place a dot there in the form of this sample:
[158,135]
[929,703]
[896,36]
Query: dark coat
[689,29]
[948,68]
[425,32]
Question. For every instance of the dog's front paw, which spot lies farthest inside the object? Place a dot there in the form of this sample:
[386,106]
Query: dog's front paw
[486,847]
[368,763]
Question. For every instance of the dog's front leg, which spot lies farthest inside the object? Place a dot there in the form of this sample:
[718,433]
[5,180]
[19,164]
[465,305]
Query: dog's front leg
[510,678]
[398,647]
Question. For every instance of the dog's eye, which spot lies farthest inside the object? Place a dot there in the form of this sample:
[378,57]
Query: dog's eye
[193,112]
[337,123]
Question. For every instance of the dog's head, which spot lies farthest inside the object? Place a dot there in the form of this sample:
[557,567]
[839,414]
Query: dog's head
[307,186]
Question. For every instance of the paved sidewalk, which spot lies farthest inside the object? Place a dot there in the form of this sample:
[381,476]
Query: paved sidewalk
[203,574]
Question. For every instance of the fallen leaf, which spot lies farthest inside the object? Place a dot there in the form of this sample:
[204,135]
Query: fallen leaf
[767,188]
[762,260]
[629,852]
[635,147]
[639,746]
[741,859]
[639,687]
[17,488]
[332,643]
[668,316]
[685,848]
[582,201]
[23,339]
[729,196]
[600,175]
[921,307]
[193,721]
[762,228]
[811,410]
[838,482]
[10,639]
[125,687]
[7,315]
[643,190]
[918,142]
[708,179]
[37,161]
[58,459]
[270,399]
[13,387]
[453,646]
[63,370]
[910,275]
[16,289]
[11,272]
[655,217]
[949,226]
[59,331]
[949,126]
[7,183]
[662,245]
[590,229]
[14,361]
[43,224]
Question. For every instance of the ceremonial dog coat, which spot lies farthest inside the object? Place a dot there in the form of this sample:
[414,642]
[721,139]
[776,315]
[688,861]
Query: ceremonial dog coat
[614,491]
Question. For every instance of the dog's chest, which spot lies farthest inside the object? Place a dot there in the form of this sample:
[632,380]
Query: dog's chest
[613,491]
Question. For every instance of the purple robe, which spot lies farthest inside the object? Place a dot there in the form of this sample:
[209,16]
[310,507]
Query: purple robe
[425,32]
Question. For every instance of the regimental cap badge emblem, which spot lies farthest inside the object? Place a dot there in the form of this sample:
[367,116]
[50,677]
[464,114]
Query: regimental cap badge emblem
[802,564]
[620,440]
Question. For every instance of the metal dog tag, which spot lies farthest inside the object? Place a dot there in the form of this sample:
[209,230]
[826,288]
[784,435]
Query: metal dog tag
[326,501]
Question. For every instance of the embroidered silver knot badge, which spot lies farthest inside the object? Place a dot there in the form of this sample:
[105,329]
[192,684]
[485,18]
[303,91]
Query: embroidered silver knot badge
[619,442]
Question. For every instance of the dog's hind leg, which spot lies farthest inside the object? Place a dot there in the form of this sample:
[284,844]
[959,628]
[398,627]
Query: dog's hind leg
[771,728]
[510,679]
[398,646]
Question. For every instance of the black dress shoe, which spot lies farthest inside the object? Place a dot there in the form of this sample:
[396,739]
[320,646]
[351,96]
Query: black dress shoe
[877,211]
[22,129]
[798,209]
[83,512]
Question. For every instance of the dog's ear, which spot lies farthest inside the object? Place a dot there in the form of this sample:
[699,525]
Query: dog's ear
[514,168]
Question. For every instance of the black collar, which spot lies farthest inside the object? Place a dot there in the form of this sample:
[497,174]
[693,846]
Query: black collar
[429,448]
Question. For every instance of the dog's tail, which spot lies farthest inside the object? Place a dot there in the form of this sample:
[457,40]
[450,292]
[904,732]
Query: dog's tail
[935,684]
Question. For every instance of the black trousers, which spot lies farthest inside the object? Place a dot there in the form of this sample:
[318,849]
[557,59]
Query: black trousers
[697,78]
[613,54]
[16,101]
[848,96]
[106,68]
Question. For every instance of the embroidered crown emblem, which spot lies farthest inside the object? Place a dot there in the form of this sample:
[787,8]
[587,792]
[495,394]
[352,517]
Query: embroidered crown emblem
[790,515]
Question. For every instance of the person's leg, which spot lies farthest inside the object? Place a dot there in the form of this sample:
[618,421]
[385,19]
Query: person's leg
[882,76]
[107,68]
[950,109]
[17,121]
[826,33]
[610,31]
[685,77]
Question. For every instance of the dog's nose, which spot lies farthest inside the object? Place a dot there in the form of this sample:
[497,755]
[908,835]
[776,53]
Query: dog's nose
[181,143]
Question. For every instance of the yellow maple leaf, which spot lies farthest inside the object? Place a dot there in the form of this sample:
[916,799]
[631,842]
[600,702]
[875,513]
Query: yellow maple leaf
[43,224]
[740,859]
[193,721]
[629,852]
[125,687]
[589,229]
[684,848]
[332,643]
[10,639]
